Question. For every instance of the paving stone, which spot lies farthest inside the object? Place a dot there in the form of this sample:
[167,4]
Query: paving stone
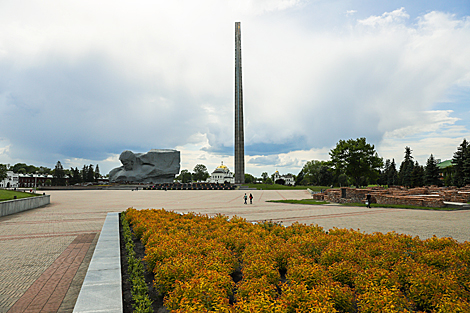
[31,241]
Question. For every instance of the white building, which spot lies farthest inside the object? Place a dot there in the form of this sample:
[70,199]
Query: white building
[11,181]
[288,178]
[221,175]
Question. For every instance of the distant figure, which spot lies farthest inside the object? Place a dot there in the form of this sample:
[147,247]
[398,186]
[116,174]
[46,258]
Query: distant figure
[251,198]
[368,200]
[245,197]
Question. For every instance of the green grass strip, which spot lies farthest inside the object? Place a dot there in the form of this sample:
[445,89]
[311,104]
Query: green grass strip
[139,290]
[282,187]
[400,206]
[303,201]
[374,205]
[6,195]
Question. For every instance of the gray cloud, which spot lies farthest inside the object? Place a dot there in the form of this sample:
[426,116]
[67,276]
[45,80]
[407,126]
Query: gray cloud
[89,84]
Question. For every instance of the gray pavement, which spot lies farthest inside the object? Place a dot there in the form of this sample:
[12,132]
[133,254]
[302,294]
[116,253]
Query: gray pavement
[33,242]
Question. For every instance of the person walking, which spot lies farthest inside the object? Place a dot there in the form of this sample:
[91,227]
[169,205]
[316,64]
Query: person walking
[251,198]
[369,197]
[245,197]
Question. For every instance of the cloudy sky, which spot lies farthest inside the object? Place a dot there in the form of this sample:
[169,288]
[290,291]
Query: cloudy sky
[81,81]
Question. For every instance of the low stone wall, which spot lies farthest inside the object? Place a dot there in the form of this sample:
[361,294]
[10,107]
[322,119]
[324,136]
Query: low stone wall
[19,205]
[431,196]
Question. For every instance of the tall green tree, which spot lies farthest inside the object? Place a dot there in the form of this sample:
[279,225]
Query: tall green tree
[357,159]
[185,176]
[90,177]
[459,164]
[84,173]
[392,175]
[97,173]
[3,171]
[249,178]
[264,176]
[406,169]
[315,173]
[417,175]
[200,172]
[59,174]
[432,172]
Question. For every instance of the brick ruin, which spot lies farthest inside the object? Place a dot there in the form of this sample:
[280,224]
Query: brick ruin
[430,196]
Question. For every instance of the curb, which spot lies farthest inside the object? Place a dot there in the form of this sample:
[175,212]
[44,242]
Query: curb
[101,290]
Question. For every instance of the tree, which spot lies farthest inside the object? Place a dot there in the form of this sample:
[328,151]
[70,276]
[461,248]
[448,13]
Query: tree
[458,161]
[59,174]
[406,168]
[269,181]
[97,173]
[200,173]
[315,173]
[432,172]
[356,158]
[265,176]
[3,172]
[343,180]
[249,178]
[392,174]
[75,177]
[90,176]
[185,176]
[417,175]
[84,173]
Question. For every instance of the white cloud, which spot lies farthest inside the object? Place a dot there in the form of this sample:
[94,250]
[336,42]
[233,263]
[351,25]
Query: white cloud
[397,16]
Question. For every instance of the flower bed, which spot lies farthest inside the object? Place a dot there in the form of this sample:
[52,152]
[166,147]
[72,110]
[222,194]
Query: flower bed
[197,262]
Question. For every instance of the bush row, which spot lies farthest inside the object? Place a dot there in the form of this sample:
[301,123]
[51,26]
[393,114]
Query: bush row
[142,302]
[298,268]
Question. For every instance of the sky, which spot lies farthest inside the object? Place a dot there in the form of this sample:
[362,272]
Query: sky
[82,81]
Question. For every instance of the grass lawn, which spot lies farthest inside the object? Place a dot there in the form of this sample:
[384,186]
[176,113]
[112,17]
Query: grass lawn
[10,195]
[303,201]
[374,205]
[282,187]
[400,206]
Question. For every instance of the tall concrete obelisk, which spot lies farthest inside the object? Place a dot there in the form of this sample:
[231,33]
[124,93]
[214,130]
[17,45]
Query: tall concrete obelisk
[239,134]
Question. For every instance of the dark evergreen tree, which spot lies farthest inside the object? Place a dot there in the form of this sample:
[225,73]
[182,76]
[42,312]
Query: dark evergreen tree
[432,172]
[384,173]
[406,168]
[59,174]
[84,173]
[90,177]
[458,161]
[392,175]
[97,173]
[417,175]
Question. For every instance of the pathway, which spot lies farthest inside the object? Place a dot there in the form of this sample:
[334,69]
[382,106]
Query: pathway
[44,253]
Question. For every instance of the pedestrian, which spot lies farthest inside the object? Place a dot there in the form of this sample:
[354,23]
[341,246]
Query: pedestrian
[251,198]
[245,197]
[368,200]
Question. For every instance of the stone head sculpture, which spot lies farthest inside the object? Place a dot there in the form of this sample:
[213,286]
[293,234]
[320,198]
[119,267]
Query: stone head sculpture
[128,160]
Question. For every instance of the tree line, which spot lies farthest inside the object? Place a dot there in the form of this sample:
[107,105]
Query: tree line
[88,174]
[355,162]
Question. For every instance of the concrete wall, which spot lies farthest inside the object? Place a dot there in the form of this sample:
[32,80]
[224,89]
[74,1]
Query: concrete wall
[19,205]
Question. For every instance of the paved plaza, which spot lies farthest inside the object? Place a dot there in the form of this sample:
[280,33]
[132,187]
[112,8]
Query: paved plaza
[44,253]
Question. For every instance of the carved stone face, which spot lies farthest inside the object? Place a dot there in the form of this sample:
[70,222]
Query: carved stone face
[128,164]
[128,160]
